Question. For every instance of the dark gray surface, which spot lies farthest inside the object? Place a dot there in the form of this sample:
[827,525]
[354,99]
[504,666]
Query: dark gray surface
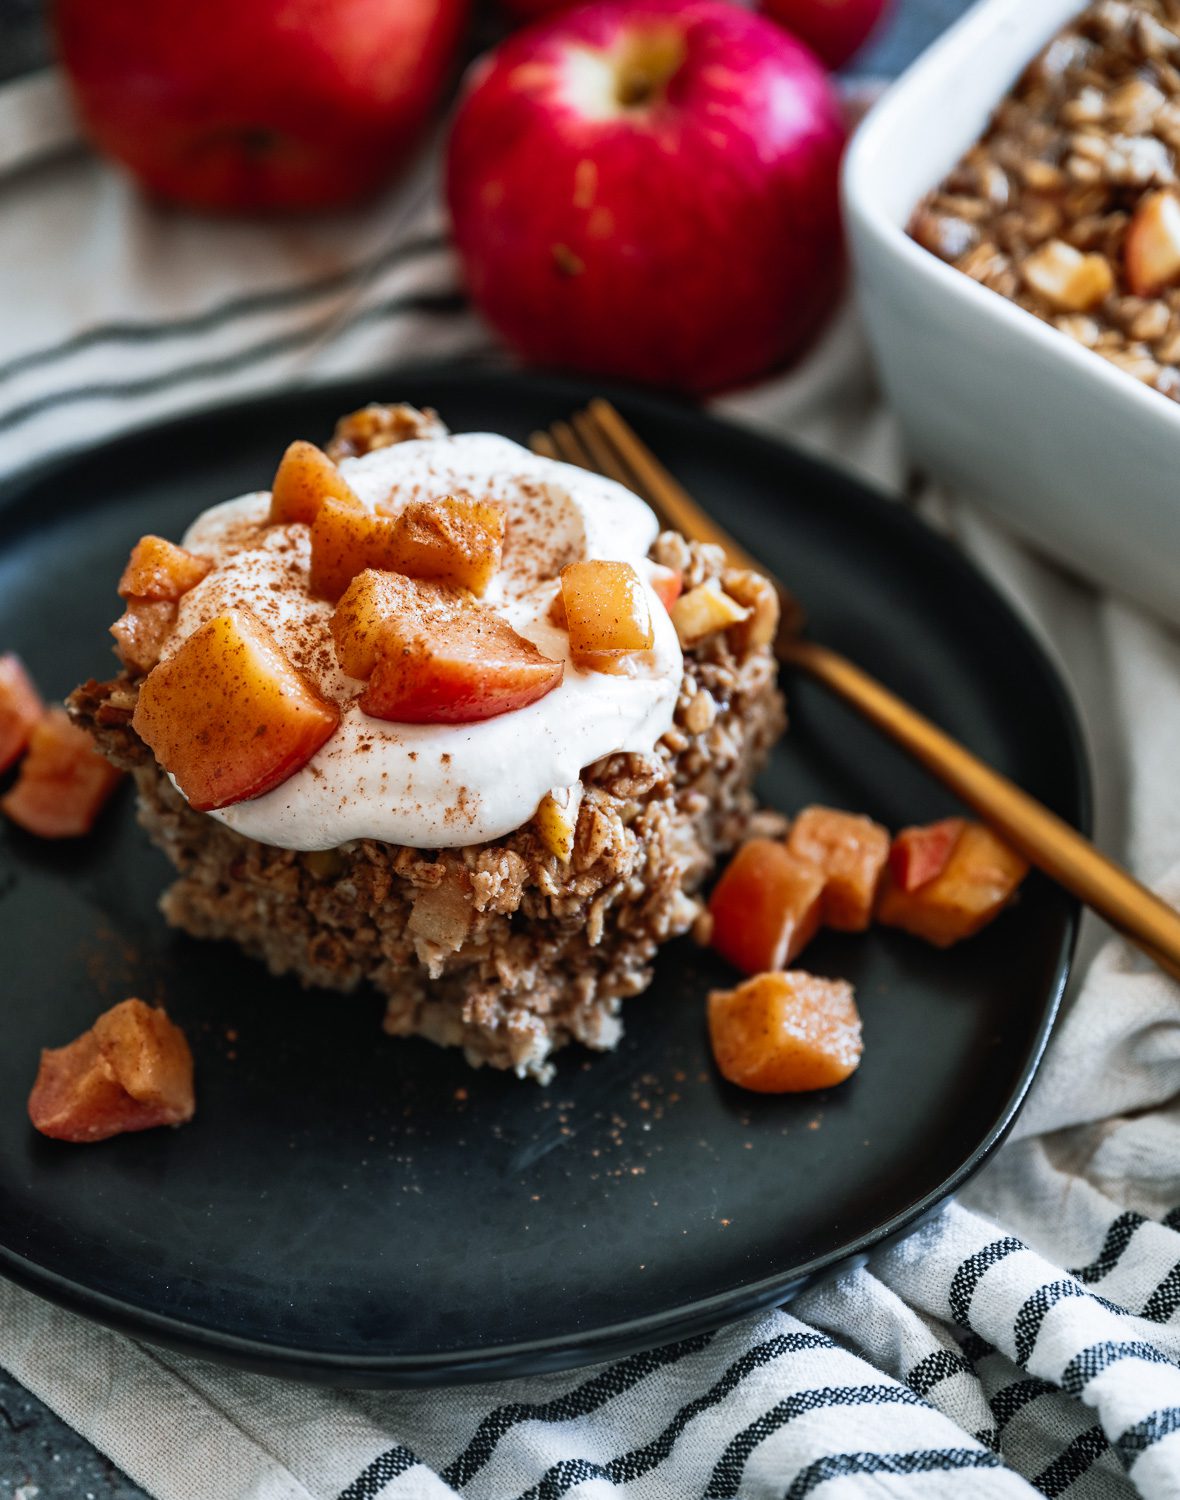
[36,1448]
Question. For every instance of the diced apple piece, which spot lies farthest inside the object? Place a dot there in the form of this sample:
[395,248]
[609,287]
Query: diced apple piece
[306,476]
[977,882]
[667,584]
[1064,276]
[433,656]
[132,1071]
[557,819]
[760,597]
[606,612]
[455,540]
[160,570]
[704,611]
[20,709]
[852,852]
[345,540]
[472,668]
[766,907]
[376,604]
[229,716]
[63,783]
[140,632]
[919,854]
[1151,250]
[785,1033]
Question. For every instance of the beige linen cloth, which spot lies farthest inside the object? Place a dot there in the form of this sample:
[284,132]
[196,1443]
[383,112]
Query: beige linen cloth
[1027,1341]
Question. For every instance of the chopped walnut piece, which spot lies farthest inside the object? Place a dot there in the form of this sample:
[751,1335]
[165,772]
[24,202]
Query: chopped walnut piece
[131,1071]
[381,427]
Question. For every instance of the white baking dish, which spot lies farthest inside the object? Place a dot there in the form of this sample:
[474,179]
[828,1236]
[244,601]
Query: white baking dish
[1071,452]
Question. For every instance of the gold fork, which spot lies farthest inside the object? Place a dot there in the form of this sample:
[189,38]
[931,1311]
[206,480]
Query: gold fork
[600,440]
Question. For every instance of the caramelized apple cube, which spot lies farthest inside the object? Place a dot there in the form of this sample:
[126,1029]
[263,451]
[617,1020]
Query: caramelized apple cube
[20,709]
[345,540]
[433,656]
[766,907]
[704,611]
[376,603]
[64,782]
[160,570]
[852,852]
[757,594]
[455,540]
[229,716]
[1151,250]
[1066,278]
[606,612]
[557,819]
[977,882]
[306,476]
[141,631]
[667,584]
[785,1033]
[132,1071]
[919,854]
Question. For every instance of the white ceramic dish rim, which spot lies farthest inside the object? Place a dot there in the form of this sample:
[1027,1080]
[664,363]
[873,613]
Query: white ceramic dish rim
[866,164]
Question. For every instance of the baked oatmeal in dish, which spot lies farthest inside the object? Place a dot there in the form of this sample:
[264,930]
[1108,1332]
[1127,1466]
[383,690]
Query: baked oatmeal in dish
[1068,205]
[445,717]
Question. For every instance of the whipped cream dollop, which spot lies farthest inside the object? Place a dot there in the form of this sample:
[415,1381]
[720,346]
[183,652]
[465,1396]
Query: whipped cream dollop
[435,786]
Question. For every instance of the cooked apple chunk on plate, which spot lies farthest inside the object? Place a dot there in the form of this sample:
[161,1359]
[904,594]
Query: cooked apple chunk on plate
[766,907]
[785,1033]
[20,709]
[160,570]
[851,851]
[306,476]
[64,782]
[978,879]
[131,1071]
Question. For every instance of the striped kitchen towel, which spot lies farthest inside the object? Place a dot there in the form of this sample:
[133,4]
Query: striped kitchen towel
[1025,1342]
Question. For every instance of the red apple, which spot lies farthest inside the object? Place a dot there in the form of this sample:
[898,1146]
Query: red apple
[833,29]
[257,104]
[647,189]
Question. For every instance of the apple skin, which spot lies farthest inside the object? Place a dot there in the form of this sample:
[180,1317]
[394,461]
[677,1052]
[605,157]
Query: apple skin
[691,241]
[244,105]
[833,29]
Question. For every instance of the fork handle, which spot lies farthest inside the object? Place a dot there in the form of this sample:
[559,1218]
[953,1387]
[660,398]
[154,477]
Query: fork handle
[1040,835]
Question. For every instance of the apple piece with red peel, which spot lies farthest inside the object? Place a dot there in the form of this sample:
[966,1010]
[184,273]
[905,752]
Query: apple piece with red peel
[269,105]
[64,782]
[852,851]
[920,854]
[305,477]
[1151,249]
[432,656]
[785,1033]
[766,907]
[228,715]
[606,613]
[456,540]
[688,234]
[833,29]
[667,584]
[131,1071]
[141,631]
[159,570]
[21,709]
[976,883]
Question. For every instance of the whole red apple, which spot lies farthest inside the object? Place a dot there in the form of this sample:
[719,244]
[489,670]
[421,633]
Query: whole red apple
[647,189]
[257,104]
[833,29]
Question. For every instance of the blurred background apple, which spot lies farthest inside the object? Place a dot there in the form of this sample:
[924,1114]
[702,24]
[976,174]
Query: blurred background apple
[647,189]
[833,29]
[258,104]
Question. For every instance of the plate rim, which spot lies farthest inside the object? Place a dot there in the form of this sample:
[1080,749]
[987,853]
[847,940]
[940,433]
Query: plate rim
[615,1340]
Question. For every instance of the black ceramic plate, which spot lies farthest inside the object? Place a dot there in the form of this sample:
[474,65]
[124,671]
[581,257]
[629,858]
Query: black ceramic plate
[353,1209]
